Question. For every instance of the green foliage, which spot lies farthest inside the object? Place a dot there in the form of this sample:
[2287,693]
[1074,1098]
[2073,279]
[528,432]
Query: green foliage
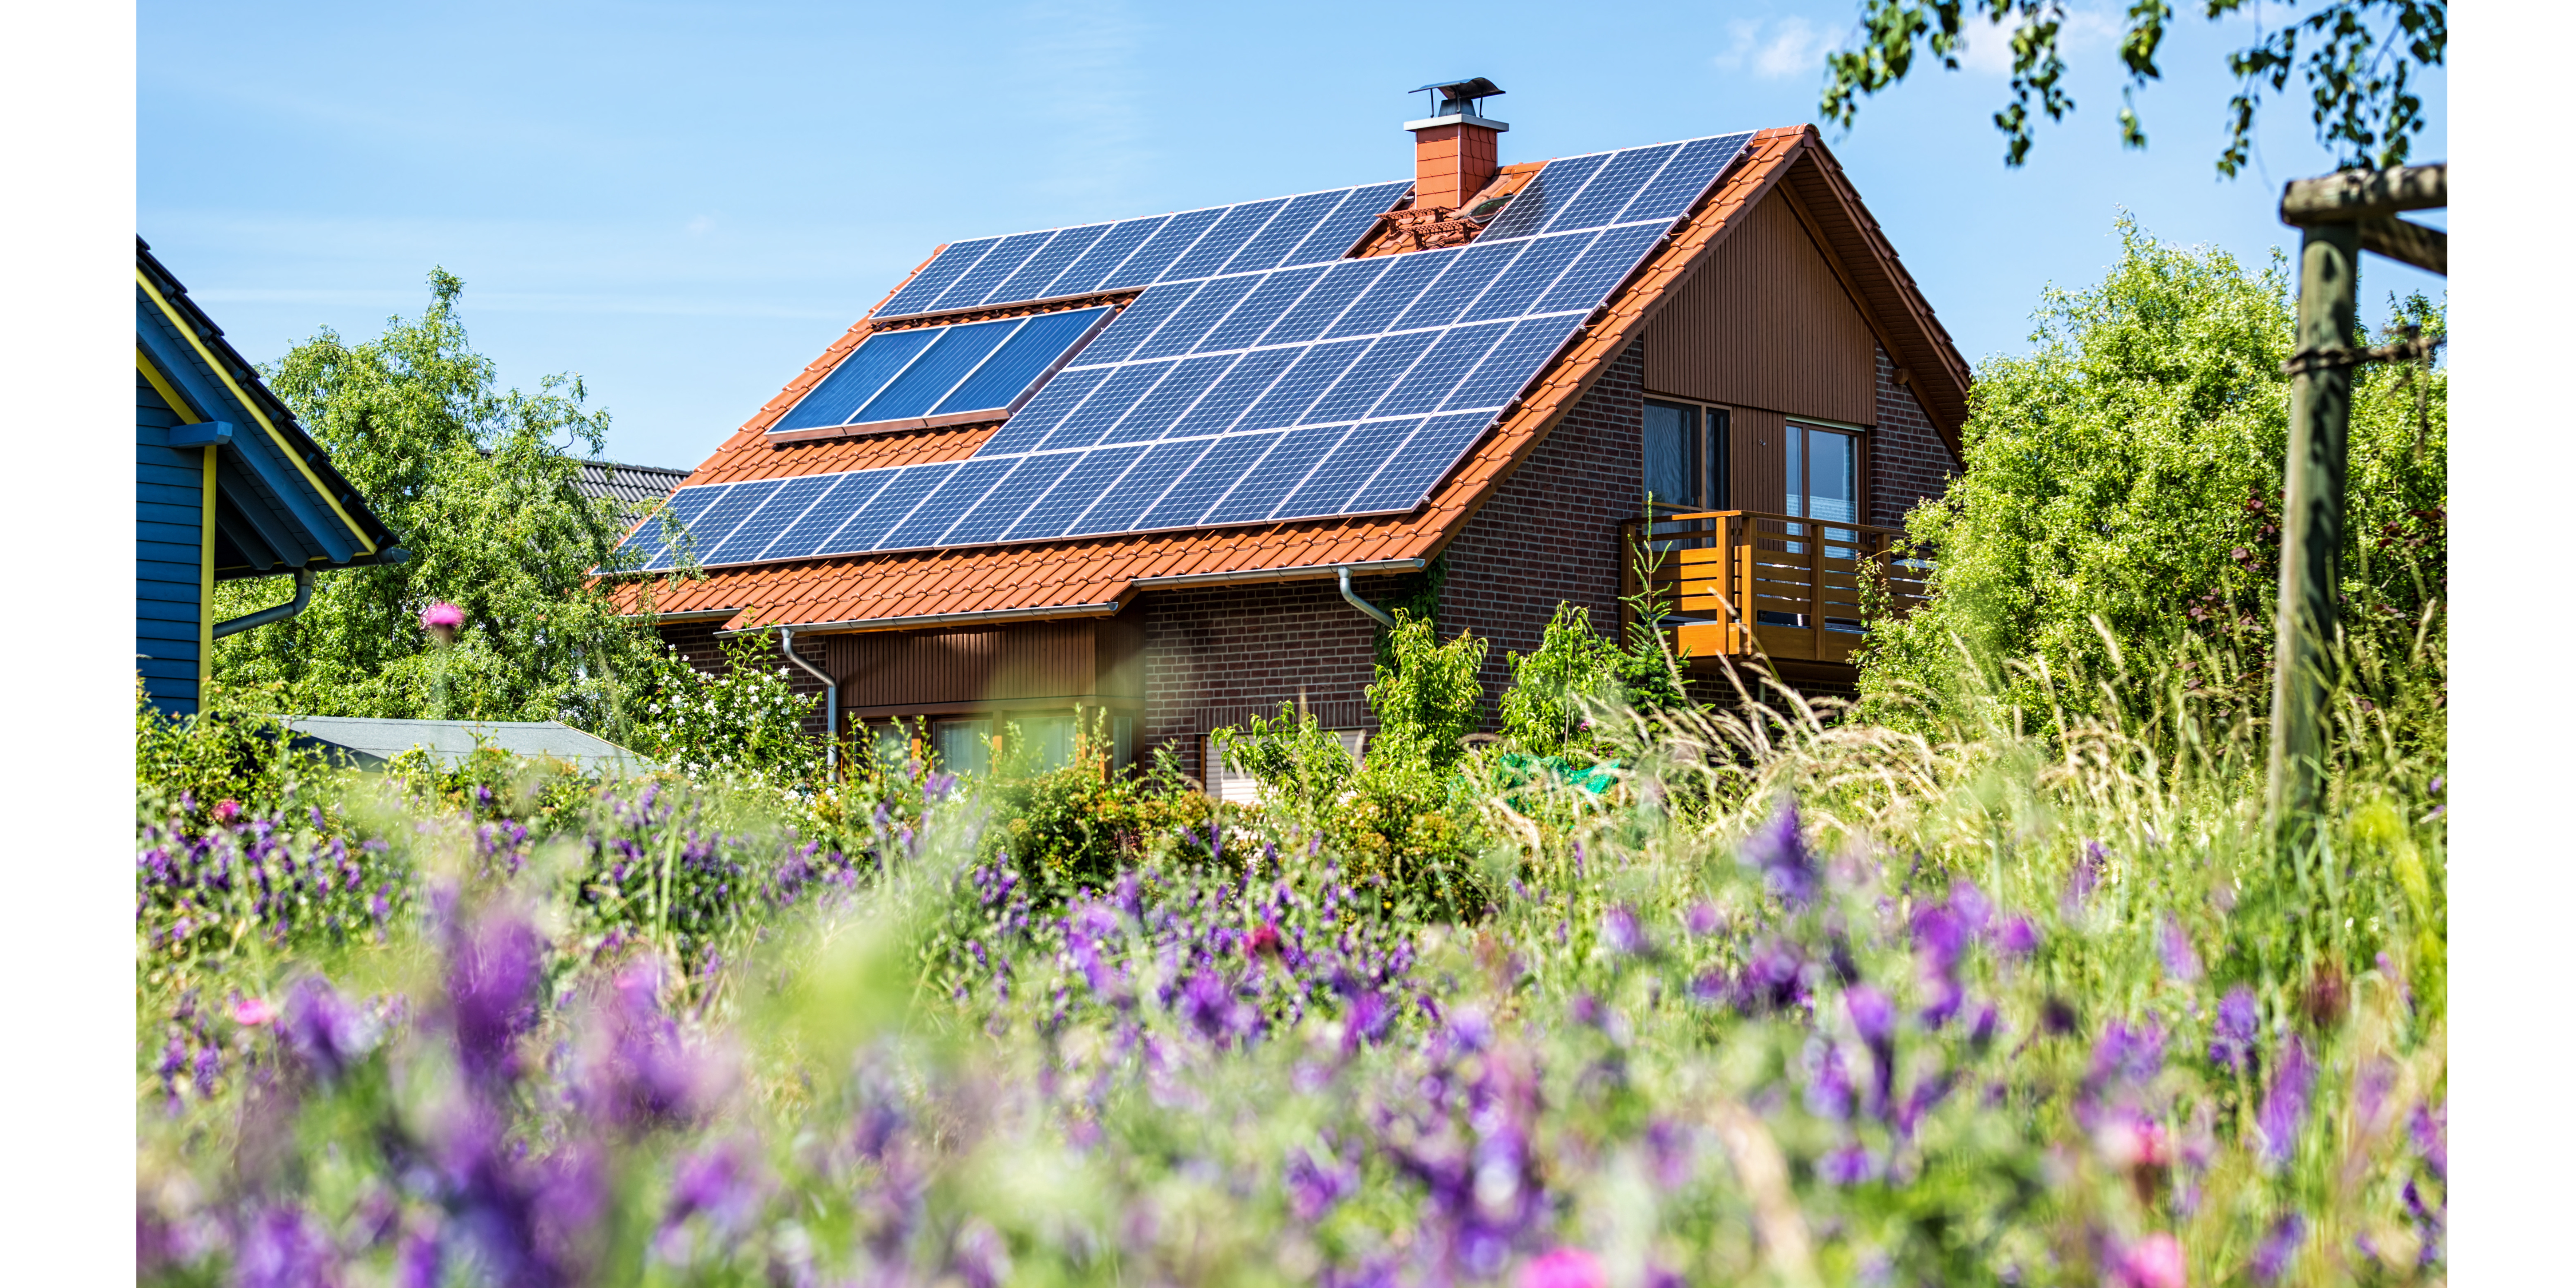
[1425,699]
[2362,62]
[186,766]
[744,721]
[1544,710]
[1079,825]
[1303,768]
[478,482]
[2120,487]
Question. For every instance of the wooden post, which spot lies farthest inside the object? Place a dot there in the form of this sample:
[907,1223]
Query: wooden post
[2311,528]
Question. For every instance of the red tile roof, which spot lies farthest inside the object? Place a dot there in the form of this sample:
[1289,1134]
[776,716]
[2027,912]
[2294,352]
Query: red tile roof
[1095,575]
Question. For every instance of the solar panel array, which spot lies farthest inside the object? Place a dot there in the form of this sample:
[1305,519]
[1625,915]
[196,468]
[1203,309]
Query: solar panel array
[1193,244]
[1295,391]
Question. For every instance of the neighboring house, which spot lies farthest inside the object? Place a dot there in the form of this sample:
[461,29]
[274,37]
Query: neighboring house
[1168,468]
[632,486]
[226,486]
[372,742]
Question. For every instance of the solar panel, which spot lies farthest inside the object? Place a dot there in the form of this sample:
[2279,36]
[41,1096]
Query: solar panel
[1249,382]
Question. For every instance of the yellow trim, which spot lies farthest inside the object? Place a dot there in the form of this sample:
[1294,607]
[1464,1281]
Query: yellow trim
[206,588]
[275,435]
[161,385]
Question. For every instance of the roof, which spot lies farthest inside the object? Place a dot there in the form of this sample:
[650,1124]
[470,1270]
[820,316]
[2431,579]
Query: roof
[370,741]
[1096,576]
[627,484]
[286,503]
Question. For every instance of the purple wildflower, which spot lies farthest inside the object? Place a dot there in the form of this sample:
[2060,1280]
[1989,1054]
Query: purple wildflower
[1621,934]
[2017,937]
[283,1248]
[1315,1188]
[2429,1127]
[2155,1261]
[2285,1105]
[1703,919]
[1778,850]
[2084,879]
[981,1258]
[2231,1040]
[2272,1256]
[1872,1014]
[322,1029]
[492,979]
[2182,963]
[1847,1165]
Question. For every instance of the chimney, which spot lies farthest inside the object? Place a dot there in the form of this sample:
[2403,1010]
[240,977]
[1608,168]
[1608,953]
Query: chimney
[1455,150]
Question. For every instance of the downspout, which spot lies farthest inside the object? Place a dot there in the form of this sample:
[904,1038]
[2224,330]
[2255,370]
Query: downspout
[831,702]
[303,596]
[1383,617]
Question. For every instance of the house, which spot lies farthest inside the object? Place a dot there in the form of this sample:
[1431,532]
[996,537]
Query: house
[1170,470]
[226,485]
[632,487]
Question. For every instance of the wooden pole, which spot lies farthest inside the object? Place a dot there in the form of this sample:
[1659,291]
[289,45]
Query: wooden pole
[2311,528]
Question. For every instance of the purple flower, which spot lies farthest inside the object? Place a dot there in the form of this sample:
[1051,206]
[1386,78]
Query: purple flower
[2429,1127]
[721,1182]
[1703,918]
[1212,1007]
[492,979]
[2272,1256]
[322,1029]
[1778,850]
[1847,1165]
[1872,1014]
[2086,877]
[441,613]
[2285,1105]
[2017,937]
[283,1248]
[1315,1188]
[981,1258]
[2182,964]
[2231,1039]
[635,1073]
[1621,934]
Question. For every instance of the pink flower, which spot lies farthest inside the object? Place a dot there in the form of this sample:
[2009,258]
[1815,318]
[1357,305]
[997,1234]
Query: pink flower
[2152,1262]
[441,613]
[227,809]
[2128,1142]
[1564,1268]
[252,1011]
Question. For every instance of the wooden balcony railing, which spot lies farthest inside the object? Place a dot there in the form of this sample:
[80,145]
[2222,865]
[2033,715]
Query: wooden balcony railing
[1726,581]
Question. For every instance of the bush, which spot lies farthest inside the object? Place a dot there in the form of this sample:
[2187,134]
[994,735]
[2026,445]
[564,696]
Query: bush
[2121,487]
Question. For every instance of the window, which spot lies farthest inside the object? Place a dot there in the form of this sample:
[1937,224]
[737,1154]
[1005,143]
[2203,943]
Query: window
[1685,456]
[963,746]
[1236,787]
[965,368]
[1820,478]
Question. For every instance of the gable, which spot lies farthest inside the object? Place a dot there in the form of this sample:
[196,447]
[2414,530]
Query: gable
[1765,322]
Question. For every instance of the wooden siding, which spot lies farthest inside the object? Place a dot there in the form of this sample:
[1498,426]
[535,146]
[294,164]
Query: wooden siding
[169,607]
[1041,664]
[1765,323]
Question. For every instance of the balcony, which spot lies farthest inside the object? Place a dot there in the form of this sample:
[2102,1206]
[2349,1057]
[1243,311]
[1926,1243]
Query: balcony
[1742,583]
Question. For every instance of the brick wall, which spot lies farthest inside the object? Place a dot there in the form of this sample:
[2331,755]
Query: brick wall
[1551,534]
[1909,463]
[697,643]
[1215,653]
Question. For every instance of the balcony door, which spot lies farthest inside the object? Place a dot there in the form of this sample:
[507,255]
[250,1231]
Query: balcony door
[1820,478]
[1685,456]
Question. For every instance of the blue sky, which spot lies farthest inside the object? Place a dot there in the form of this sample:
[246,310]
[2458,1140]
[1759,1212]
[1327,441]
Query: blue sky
[685,203]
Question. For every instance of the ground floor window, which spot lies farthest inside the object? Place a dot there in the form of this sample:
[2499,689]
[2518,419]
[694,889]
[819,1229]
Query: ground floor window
[1236,787]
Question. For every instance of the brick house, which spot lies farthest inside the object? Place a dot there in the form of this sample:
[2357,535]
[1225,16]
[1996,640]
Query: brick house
[1134,468]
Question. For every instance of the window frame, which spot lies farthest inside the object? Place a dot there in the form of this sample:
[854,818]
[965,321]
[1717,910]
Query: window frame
[1713,445]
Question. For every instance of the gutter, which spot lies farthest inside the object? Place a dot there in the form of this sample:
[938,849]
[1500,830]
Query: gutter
[831,702]
[1294,572]
[1104,609]
[279,613]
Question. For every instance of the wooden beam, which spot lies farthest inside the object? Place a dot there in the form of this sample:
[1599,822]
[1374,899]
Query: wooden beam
[2353,196]
[2408,243]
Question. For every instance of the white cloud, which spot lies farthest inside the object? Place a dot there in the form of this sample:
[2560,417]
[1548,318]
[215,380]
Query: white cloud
[2083,32]
[1776,48]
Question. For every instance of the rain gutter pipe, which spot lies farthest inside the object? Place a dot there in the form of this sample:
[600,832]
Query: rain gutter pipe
[279,613]
[1382,616]
[831,702]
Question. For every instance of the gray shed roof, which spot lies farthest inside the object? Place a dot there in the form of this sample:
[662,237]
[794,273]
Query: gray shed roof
[371,741]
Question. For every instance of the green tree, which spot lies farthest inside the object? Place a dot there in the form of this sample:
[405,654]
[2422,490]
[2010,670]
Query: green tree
[479,482]
[1543,710]
[2360,61]
[2129,470]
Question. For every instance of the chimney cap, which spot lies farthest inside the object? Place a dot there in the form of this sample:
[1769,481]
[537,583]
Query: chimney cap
[1459,97]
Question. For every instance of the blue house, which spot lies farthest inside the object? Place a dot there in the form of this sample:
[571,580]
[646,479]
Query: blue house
[226,485]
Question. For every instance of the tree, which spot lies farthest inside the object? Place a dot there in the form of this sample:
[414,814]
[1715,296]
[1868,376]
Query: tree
[2359,59]
[2129,469]
[479,482]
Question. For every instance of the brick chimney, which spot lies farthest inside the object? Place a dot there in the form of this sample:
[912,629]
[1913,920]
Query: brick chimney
[1455,149]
